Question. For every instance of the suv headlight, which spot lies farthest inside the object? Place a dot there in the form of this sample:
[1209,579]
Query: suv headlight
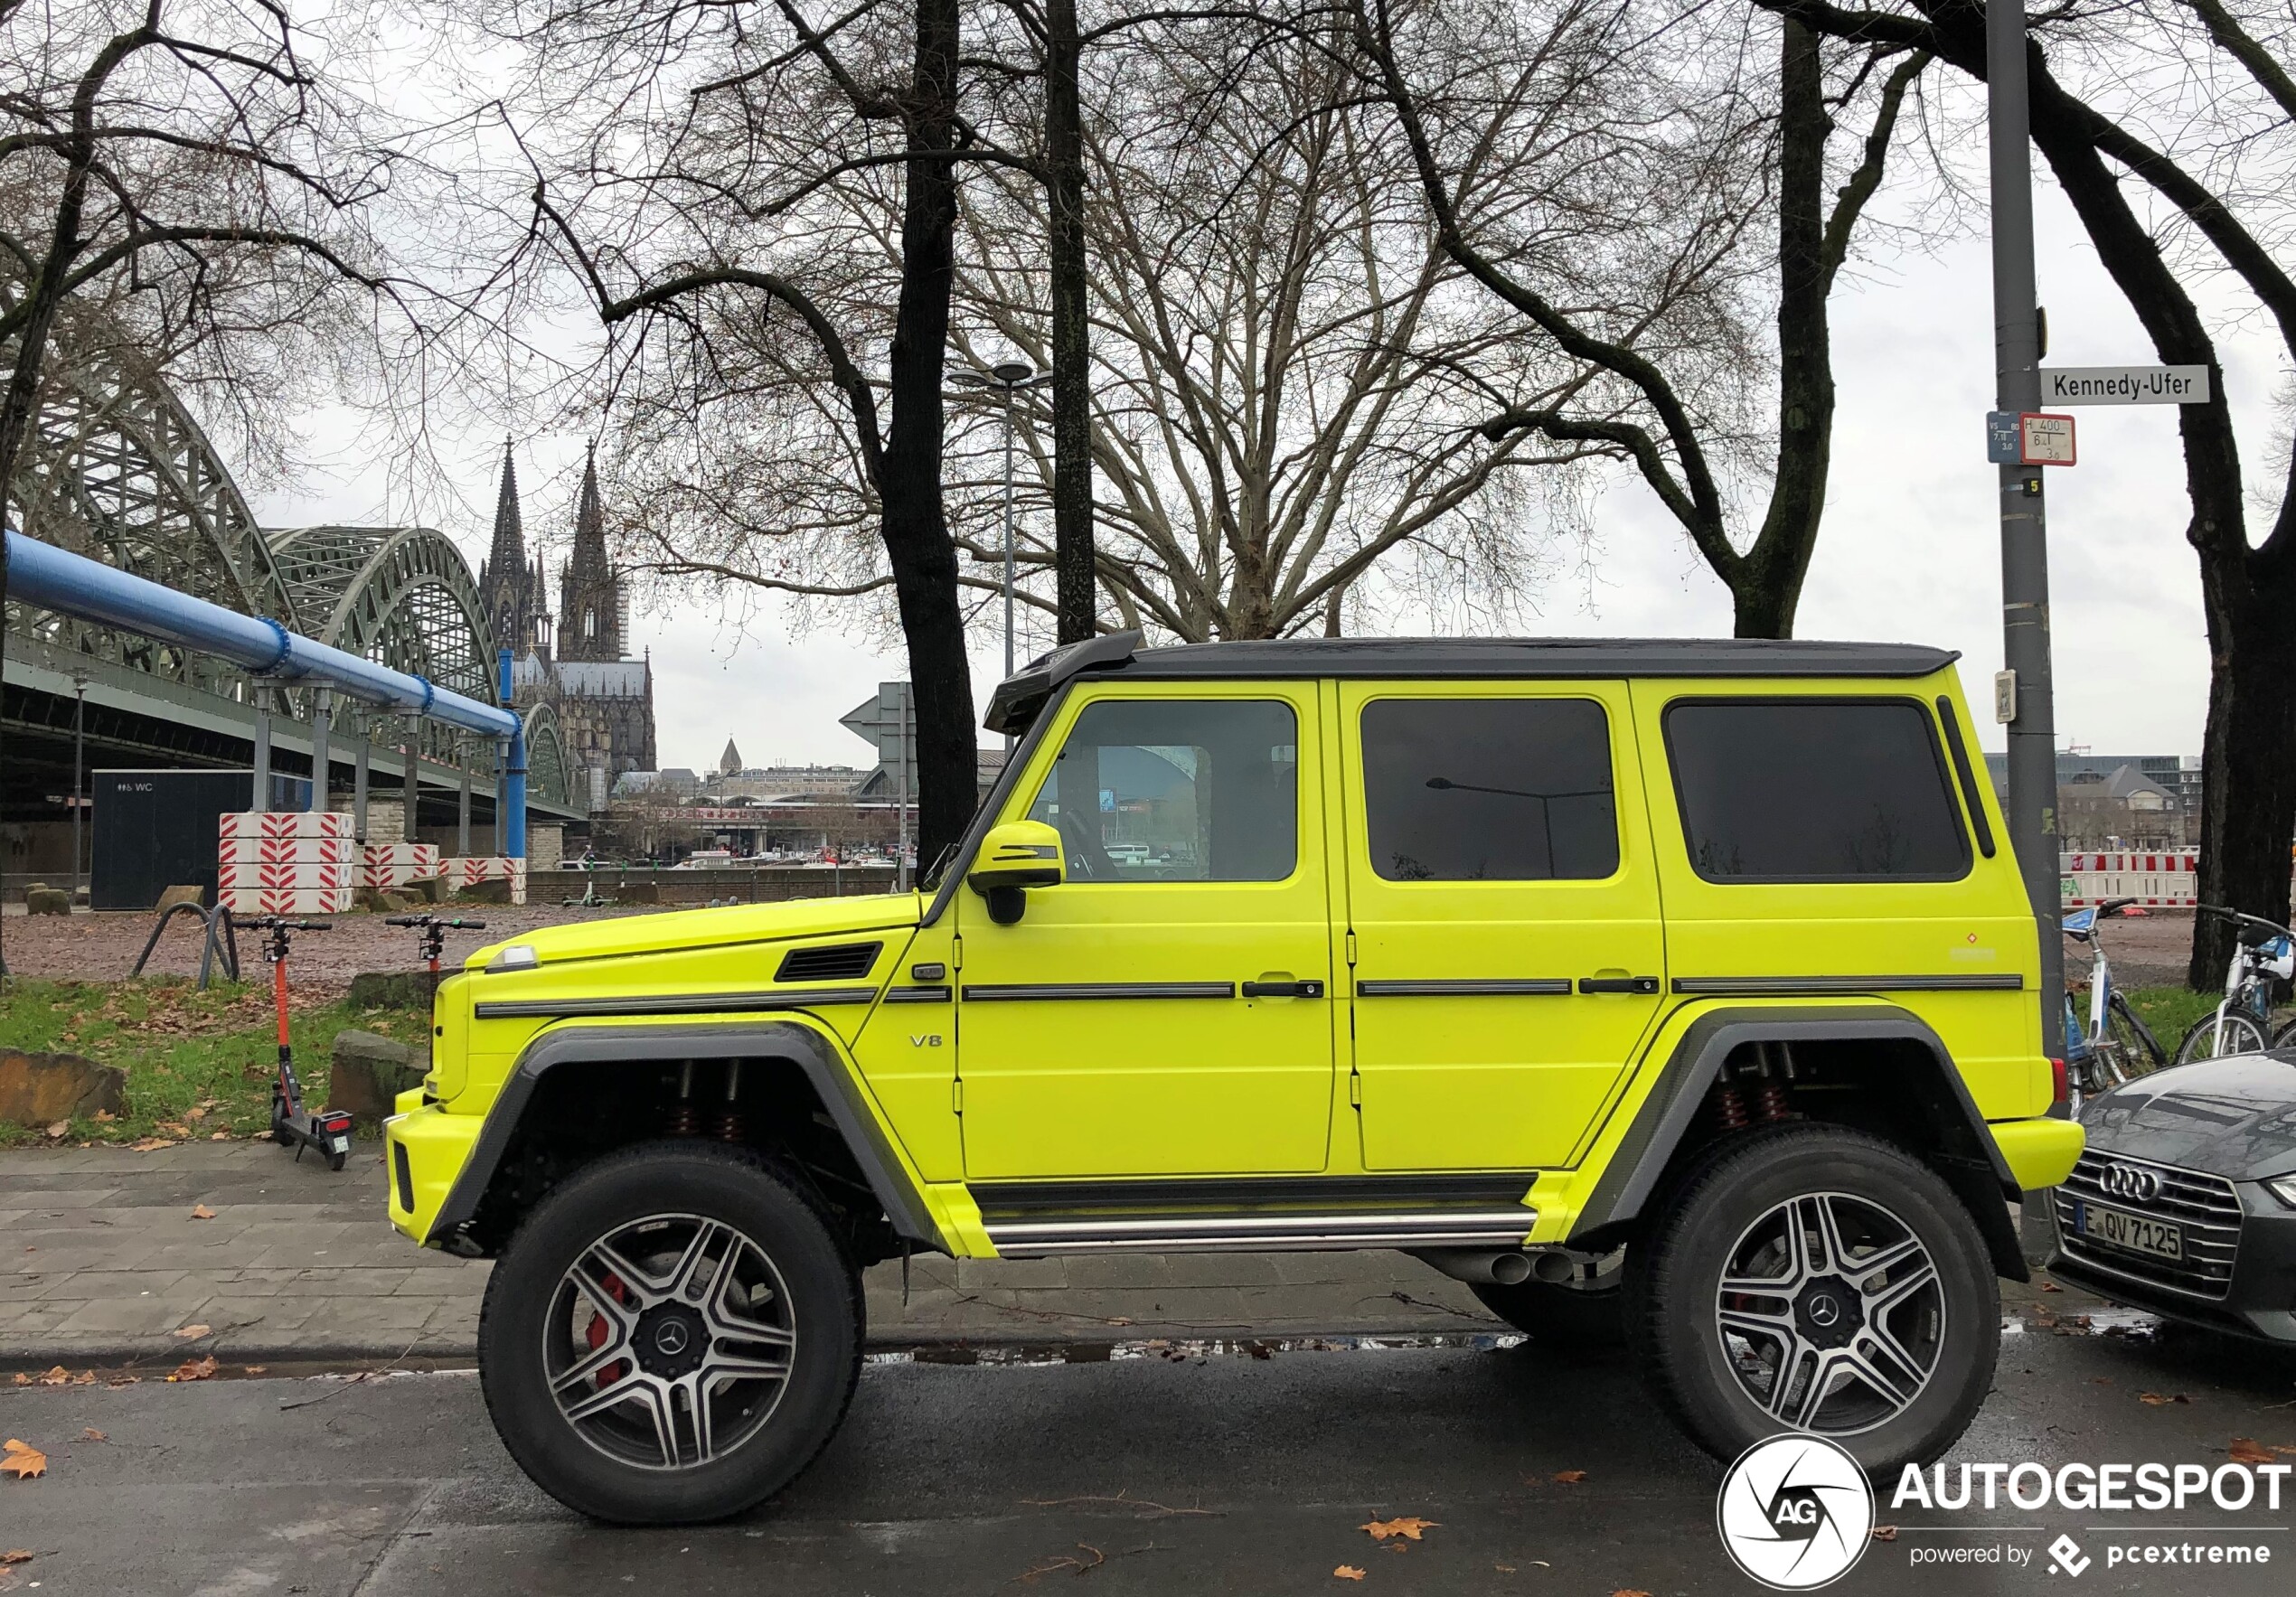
[2283,1187]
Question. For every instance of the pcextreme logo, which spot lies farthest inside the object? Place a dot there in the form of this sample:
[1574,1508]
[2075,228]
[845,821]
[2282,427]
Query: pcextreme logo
[1795,1512]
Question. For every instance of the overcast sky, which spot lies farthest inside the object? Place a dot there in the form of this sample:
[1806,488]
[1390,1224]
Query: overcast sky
[1909,550]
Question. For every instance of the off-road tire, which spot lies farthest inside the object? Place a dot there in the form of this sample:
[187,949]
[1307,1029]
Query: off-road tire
[1674,1280]
[738,1187]
[1576,1319]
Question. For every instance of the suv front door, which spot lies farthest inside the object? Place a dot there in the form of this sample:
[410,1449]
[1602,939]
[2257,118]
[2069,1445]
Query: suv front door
[1165,1009]
[1504,904]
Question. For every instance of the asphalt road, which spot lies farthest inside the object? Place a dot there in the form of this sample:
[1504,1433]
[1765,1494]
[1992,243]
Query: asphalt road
[1150,1474]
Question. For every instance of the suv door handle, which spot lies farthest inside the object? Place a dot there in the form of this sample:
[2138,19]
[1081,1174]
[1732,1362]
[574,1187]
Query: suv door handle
[1285,989]
[1643,984]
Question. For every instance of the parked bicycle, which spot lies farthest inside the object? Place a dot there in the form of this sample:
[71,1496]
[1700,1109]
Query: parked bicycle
[2258,980]
[2115,1044]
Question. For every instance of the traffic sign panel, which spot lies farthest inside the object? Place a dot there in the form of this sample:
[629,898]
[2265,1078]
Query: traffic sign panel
[2045,440]
[2125,385]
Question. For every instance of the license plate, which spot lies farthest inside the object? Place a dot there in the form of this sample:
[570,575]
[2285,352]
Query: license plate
[2134,1233]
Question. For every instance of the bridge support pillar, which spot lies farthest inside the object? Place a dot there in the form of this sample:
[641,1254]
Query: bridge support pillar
[359,782]
[462,800]
[262,798]
[321,755]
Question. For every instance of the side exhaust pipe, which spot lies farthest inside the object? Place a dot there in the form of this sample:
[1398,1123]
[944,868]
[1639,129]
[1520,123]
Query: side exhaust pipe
[1497,1266]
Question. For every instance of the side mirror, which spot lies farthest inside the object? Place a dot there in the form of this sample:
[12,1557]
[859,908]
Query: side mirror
[1013,858]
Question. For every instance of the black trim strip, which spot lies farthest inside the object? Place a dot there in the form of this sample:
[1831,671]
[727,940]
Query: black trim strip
[994,993]
[920,995]
[1796,986]
[1472,987]
[1328,1193]
[1301,1231]
[695,1003]
[1967,775]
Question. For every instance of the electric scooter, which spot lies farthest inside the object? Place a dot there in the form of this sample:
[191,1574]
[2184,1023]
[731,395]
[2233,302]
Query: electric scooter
[434,929]
[325,1131]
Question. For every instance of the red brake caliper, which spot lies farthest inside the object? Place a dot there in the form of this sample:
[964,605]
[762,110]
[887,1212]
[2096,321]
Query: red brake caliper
[598,1332]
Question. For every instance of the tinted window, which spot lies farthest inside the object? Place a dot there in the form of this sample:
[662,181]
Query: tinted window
[1177,790]
[1813,791]
[1489,789]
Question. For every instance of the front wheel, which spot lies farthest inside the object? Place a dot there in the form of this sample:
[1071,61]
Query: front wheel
[2139,1052]
[670,1337]
[2221,1035]
[1817,1279]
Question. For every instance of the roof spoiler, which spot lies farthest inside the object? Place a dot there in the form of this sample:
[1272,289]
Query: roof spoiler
[1020,696]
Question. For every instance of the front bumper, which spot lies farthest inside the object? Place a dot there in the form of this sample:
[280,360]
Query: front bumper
[2255,1296]
[425,1148]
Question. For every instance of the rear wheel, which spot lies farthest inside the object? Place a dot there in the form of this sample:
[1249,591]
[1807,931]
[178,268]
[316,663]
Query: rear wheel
[670,1337]
[1817,1279]
[2220,1036]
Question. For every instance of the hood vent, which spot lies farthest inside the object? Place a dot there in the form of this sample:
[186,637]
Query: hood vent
[839,962]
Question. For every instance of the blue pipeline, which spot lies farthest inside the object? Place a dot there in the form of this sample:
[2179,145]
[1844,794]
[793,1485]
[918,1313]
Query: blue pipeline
[513,800]
[51,578]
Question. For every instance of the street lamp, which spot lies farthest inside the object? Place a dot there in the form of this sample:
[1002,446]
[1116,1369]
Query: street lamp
[1006,377]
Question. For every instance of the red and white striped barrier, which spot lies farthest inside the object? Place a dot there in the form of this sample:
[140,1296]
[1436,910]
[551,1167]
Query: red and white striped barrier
[394,865]
[469,871]
[279,876]
[247,901]
[285,824]
[2164,879]
[287,851]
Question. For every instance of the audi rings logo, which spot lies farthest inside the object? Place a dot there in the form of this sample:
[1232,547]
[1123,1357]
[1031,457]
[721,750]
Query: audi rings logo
[1795,1512]
[2132,1181]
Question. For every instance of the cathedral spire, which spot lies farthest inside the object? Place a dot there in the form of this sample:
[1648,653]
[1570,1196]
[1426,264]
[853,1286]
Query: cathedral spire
[589,521]
[509,550]
[592,607]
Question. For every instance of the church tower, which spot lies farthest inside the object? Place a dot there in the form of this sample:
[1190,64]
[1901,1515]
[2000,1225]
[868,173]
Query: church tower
[512,590]
[592,610]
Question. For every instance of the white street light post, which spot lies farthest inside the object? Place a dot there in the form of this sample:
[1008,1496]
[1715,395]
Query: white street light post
[1006,377]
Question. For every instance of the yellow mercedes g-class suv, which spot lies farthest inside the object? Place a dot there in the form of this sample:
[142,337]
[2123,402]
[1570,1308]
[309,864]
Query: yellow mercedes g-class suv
[1683,993]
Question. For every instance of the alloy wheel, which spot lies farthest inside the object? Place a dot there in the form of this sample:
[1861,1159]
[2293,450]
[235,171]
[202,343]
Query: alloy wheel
[1831,1313]
[668,1342]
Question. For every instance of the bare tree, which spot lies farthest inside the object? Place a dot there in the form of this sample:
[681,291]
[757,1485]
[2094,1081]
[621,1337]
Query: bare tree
[173,171]
[1760,163]
[2193,101]
[700,207]
[1289,373]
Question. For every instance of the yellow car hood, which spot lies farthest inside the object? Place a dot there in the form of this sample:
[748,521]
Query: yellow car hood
[711,929]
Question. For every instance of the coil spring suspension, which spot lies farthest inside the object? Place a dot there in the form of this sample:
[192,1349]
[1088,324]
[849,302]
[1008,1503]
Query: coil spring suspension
[1729,1108]
[683,1118]
[1772,1103]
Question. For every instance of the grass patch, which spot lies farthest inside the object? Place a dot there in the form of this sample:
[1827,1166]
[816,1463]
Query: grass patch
[2169,1011]
[197,1063]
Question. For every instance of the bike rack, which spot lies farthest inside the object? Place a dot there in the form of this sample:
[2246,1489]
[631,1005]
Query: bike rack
[209,921]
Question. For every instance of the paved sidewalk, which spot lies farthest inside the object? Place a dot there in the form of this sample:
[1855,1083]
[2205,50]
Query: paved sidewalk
[102,1261]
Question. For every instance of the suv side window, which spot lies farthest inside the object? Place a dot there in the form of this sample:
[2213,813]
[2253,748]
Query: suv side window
[1814,790]
[1202,790]
[1489,790]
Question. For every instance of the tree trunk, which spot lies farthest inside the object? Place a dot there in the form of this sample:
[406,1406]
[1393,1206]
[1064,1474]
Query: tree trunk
[1077,590]
[1765,586]
[916,522]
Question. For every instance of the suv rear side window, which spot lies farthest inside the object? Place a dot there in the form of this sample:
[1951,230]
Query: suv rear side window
[1201,790]
[1814,790]
[1489,790]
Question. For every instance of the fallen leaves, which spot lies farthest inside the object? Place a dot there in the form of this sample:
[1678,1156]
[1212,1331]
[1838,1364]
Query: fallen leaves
[189,1333]
[2244,1450]
[1347,1572]
[2155,1400]
[150,1145]
[1629,1592]
[58,1130]
[173,1128]
[195,1370]
[22,1460]
[200,1211]
[16,1555]
[92,1434]
[1569,1477]
[1382,1529]
[2051,1286]
[1884,1533]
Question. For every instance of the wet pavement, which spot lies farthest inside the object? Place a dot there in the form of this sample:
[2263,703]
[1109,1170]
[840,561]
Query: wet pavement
[1163,1469]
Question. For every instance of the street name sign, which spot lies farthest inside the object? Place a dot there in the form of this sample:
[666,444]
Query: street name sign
[2125,385]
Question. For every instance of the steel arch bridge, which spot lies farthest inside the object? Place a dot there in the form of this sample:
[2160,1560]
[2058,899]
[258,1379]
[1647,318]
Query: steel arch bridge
[117,469]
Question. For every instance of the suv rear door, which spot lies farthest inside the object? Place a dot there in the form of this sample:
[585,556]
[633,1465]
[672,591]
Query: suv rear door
[1508,951]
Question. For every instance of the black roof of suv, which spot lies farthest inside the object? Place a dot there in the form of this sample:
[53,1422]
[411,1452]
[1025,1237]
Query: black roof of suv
[1018,699]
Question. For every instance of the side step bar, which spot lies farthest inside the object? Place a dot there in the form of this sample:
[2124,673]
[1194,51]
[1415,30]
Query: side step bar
[1263,1233]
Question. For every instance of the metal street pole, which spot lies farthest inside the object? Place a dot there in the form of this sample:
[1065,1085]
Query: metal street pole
[1008,541]
[2025,557]
[78,765]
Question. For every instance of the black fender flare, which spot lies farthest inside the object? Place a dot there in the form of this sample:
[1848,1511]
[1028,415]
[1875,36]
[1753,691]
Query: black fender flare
[784,1041]
[1964,1154]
